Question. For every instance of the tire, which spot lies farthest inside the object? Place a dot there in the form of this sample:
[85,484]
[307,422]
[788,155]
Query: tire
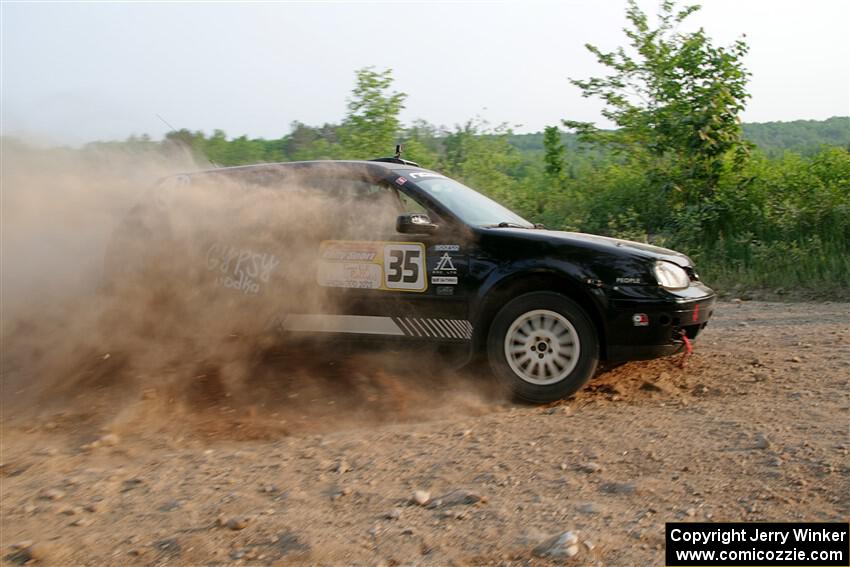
[542,346]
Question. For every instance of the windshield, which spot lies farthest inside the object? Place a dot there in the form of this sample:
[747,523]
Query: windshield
[469,205]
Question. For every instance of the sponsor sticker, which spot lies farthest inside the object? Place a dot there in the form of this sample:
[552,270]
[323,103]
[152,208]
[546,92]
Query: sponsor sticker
[421,174]
[444,271]
[241,269]
[445,264]
[401,181]
[388,266]
[447,248]
[640,320]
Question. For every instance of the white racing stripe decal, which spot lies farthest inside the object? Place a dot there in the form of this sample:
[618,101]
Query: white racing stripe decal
[440,327]
[457,328]
[420,328]
[446,327]
[371,325]
[343,324]
[437,328]
[405,328]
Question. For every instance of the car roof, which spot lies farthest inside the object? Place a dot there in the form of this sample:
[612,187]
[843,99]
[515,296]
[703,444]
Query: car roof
[374,167]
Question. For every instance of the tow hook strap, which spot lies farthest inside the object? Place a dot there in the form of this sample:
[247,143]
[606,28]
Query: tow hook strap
[689,349]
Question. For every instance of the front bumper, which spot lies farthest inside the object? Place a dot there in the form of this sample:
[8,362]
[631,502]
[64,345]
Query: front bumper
[640,329]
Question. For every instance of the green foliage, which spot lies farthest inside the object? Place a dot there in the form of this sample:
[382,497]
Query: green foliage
[553,157]
[308,143]
[372,125]
[481,156]
[421,144]
[675,98]
[806,137]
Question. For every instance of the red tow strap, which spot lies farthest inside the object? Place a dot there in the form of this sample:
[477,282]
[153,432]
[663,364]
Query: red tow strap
[689,349]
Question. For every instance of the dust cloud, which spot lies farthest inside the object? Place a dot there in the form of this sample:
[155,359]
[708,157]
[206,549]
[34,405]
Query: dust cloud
[136,299]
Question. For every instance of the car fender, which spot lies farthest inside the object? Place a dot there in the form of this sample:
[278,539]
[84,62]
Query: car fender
[535,274]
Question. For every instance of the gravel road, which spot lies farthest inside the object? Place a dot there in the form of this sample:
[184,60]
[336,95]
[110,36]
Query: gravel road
[361,466]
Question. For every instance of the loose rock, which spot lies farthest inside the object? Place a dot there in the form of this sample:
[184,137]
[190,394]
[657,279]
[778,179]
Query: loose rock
[28,551]
[561,545]
[168,546]
[236,523]
[169,506]
[589,467]
[131,483]
[618,488]
[25,544]
[421,497]
[455,498]
[110,440]
[52,494]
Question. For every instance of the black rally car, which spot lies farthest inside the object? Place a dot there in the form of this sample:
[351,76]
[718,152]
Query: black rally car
[450,266]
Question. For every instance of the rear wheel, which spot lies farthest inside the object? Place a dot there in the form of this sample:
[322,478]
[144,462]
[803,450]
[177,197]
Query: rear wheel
[543,346]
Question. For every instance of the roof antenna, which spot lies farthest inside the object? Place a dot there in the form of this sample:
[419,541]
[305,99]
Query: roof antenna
[396,157]
[173,129]
[164,121]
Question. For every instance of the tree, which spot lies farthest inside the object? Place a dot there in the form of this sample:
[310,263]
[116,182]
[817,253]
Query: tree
[675,98]
[372,125]
[553,156]
[421,143]
[481,156]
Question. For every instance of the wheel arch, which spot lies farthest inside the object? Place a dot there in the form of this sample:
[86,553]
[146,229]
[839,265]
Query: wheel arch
[503,290]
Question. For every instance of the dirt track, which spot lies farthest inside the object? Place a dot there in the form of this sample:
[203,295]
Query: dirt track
[755,427]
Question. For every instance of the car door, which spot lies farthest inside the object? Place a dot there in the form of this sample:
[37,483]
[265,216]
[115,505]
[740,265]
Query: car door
[379,282]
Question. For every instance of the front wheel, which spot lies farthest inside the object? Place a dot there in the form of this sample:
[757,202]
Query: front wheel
[543,346]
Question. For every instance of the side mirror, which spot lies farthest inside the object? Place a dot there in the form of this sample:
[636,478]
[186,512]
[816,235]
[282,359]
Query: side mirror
[414,223]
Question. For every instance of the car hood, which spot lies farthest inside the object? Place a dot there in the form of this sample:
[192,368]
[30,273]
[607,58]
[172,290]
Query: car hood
[646,250]
[601,243]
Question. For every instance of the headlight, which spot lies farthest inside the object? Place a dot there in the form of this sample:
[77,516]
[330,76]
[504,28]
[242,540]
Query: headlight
[670,275]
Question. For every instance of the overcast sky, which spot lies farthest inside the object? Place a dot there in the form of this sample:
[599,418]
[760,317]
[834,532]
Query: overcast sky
[76,72]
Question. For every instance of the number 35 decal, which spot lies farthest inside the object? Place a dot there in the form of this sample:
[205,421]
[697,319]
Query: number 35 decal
[404,267]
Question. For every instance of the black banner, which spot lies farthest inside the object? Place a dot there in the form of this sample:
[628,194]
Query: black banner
[752,544]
